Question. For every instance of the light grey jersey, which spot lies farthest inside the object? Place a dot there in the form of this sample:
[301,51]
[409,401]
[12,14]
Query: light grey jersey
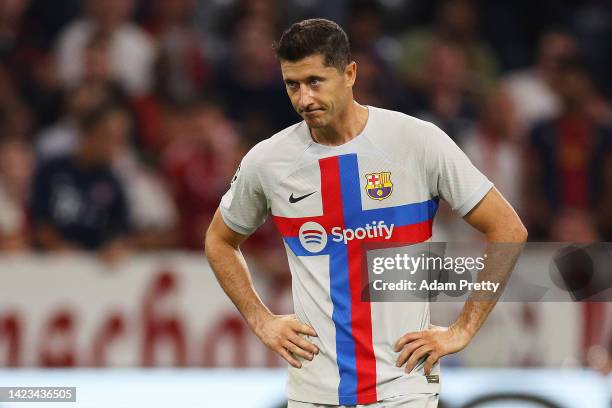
[329,203]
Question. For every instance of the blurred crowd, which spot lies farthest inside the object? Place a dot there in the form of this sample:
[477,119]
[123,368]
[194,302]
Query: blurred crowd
[123,121]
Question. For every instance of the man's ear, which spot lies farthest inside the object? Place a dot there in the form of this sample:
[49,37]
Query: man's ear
[350,73]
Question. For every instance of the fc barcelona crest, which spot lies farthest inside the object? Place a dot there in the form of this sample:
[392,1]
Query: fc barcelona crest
[379,185]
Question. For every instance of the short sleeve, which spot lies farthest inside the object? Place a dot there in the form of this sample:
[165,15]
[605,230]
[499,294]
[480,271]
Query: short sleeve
[450,174]
[245,207]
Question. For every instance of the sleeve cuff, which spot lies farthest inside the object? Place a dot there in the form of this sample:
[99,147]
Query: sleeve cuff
[240,229]
[475,198]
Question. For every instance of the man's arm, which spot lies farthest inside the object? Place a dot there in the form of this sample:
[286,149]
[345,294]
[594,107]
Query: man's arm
[495,218]
[280,333]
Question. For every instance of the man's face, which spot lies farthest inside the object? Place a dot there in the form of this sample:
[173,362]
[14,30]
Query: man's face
[318,93]
[110,136]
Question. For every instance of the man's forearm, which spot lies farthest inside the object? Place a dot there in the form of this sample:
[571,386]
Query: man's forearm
[233,275]
[281,333]
[500,257]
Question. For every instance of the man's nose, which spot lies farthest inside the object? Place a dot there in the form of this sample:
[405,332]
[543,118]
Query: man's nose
[305,97]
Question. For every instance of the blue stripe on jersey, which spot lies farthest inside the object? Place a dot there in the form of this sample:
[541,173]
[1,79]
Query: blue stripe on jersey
[345,342]
[351,192]
[407,214]
[342,317]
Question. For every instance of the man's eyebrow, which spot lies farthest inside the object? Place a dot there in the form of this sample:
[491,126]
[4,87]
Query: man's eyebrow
[308,78]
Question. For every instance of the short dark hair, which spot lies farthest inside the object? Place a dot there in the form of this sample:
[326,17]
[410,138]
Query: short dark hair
[315,36]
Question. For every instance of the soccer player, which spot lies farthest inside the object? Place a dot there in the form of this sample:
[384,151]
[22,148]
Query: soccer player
[355,171]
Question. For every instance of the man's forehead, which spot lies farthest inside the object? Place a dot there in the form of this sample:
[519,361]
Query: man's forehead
[308,66]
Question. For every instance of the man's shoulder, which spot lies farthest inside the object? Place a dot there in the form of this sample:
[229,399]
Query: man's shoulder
[282,145]
[58,163]
[400,126]
[396,116]
[393,116]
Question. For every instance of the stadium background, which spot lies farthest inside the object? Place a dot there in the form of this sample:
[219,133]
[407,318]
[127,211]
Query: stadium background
[523,87]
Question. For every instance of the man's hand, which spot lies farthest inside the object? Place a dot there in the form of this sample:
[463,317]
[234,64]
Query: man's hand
[114,252]
[435,342]
[281,333]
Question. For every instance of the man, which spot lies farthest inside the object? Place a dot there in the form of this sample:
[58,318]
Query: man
[311,178]
[132,52]
[77,201]
[569,157]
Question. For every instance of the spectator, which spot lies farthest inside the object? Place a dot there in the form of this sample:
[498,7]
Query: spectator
[269,12]
[592,24]
[23,54]
[183,68]
[98,85]
[573,225]
[41,89]
[373,86]
[444,96]
[77,201]
[132,51]
[571,157]
[153,214]
[97,61]
[199,163]
[375,83]
[62,137]
[456,22]
[250,84]
[16,164]
[365,28]
[492,145]
[531,89]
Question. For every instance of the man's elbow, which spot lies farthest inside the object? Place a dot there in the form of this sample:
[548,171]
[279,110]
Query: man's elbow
[508,232]
[209,240]
[518,233]
[218,237]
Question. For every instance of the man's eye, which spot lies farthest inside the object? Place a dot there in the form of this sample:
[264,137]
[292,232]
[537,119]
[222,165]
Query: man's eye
[315,82]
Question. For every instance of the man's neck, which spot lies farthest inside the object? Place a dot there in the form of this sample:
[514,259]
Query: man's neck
[349,124]
[86,158]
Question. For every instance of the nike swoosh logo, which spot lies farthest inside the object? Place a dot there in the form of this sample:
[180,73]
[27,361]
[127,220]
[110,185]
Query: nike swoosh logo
[294,200]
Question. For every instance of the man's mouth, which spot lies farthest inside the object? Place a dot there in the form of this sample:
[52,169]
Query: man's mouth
[312,111]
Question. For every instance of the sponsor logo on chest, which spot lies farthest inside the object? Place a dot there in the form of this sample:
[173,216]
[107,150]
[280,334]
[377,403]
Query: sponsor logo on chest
[313,236]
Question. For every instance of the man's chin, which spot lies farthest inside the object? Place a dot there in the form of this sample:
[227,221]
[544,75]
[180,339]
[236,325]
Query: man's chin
[315,122]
